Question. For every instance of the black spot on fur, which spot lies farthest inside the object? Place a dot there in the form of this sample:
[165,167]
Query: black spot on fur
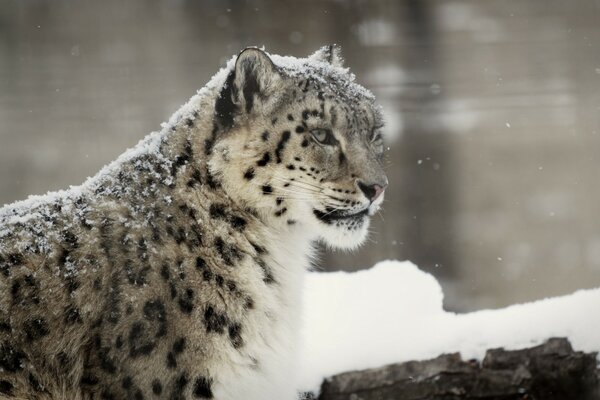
[36,328]
[217,211]
[173,290]
[5,326]
[267,189]
[195,178]
[279,213]
[106,362]
[300,129]
[237,223]
[285,136]
[72,315]
[25,290]
[127,382]
[231,286]
[71,284]
[180,161]
[249,305]
[304,143]
[214,321]
[154,310]
[70,239]
[179,387]
[259,249]
[291,167]
[89,379]
[136,277]
[268,274]
[211,181]
[290,117]
[164,272]
[157,387]
[264,160]
[139,344]
[265,136]
[171,360]
[203,388]
[179,345]
[34,383]
[207,275]
[228,252]
[208,145]
[278,201]
[7,388]
[249,174]
[186,301]
[156,234]
[11,358]
[200,263]
[235,335]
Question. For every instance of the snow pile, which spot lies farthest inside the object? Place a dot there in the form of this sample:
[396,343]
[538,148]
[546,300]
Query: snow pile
[393,313]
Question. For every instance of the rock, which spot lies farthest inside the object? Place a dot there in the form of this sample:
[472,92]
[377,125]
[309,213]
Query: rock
[551,371]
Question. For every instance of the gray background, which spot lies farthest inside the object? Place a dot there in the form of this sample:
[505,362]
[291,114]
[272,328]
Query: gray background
[493,112]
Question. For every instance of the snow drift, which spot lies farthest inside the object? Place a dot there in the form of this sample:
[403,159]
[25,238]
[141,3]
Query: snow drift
[393,313]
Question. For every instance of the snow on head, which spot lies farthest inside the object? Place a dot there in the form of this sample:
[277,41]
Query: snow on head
[393,313]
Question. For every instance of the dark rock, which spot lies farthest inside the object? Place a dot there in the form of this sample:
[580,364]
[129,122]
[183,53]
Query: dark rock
[551,371]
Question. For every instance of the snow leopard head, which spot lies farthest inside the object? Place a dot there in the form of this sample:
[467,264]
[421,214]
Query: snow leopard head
[301,144]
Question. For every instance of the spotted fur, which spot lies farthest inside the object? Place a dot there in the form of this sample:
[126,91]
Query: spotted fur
[175,273]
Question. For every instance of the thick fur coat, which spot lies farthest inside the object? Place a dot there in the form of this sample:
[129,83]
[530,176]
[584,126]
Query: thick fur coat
[176,272]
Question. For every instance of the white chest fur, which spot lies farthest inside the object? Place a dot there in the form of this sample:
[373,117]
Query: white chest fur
[266,367]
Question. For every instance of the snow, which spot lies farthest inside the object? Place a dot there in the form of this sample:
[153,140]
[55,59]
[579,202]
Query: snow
[393,313]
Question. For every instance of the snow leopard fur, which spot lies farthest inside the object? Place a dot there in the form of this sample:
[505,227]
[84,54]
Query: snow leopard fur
[176,271]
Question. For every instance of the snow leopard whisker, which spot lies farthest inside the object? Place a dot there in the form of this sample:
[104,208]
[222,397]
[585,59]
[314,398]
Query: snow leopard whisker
[288,193]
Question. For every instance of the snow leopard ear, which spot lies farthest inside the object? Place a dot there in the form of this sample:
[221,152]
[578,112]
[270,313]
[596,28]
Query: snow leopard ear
[331,54]
[253,77]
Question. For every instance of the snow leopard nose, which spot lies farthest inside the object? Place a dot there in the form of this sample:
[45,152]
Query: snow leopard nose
[372,191]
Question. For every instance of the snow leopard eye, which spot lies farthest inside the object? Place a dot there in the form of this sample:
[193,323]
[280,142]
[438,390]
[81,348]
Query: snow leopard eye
[323,136]
[377,141]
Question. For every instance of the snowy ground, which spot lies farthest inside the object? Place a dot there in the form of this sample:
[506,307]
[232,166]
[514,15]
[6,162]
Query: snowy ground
[393,313]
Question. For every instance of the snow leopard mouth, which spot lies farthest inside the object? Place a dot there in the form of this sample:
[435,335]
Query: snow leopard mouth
[338,215]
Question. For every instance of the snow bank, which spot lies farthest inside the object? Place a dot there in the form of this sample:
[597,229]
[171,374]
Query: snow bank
[393,313]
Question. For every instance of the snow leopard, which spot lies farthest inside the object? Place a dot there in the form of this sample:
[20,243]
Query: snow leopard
[176,272]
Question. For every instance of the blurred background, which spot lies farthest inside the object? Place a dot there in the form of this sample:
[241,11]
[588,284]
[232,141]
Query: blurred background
[493,117]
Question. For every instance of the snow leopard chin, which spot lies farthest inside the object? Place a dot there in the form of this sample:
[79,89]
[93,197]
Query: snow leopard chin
[345,234]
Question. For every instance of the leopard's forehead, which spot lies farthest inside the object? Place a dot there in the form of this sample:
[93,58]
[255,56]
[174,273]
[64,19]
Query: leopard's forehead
[332,84]
[337,79]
